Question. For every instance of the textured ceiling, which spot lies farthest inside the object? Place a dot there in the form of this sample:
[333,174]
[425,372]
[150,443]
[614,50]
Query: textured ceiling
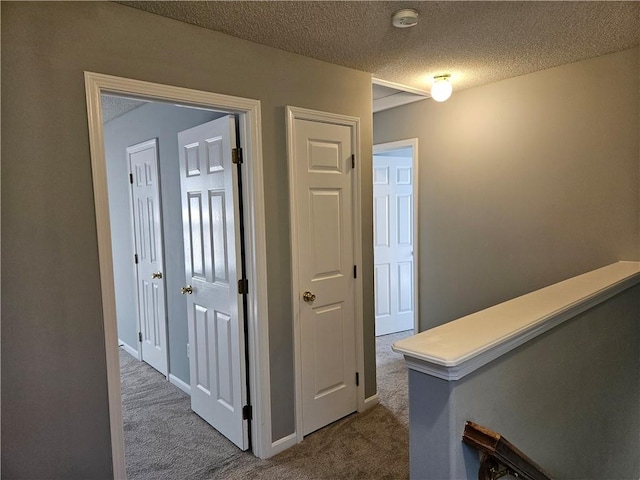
[477,42]
[114,107]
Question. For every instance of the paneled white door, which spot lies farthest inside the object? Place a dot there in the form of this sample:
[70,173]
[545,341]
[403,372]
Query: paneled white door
[147,223]
[324,177]
[393,243]
[213,268]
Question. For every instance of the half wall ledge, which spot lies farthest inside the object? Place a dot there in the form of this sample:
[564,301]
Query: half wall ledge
[457,348]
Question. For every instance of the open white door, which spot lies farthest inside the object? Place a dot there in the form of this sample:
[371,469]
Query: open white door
[322,171]
[393,243]
[213,267]
[147,222]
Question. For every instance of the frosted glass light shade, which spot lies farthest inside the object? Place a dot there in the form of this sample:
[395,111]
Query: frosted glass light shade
[441,89]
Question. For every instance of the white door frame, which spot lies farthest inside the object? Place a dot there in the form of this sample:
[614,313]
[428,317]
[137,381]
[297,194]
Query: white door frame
[413,144]
[250,129]
[296,113]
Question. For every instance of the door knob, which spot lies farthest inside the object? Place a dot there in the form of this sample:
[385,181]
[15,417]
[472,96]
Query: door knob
[156,275]
[308,297]
[186,290]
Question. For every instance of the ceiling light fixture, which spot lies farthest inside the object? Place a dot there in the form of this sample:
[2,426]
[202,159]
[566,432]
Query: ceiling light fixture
[441,89]
[405,18]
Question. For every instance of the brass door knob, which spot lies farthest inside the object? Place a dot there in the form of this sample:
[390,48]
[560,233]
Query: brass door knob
[186,290]
[156,275]
[308,297]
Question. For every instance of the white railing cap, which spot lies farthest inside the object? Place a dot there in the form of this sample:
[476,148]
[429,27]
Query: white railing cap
[457,348]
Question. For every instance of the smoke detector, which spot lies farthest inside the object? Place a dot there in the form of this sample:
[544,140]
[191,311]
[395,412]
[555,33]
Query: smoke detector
[405,18]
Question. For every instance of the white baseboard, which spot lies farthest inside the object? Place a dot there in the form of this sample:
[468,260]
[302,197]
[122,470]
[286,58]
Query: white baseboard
[283,443]
[185,387]
[371,401]
[129,349]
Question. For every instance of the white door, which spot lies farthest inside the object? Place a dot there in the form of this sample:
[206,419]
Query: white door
[212,260]
[147,223]
[393,243]
[324,178]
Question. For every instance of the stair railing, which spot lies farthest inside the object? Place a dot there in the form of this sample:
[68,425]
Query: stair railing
[499,456]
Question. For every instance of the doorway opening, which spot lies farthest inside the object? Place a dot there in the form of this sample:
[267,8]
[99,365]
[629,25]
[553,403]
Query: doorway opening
[395,239]
[250,359]
[156,149]
[143,178]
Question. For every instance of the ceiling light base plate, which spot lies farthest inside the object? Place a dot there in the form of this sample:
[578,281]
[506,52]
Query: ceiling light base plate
[405,18]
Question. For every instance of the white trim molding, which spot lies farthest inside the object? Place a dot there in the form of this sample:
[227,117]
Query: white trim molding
[185,387]
[371,401]
[129,349]
[292,114]
[400,86]
[285,442]
[97,84]
[413,144]
[404,95]
[458,348]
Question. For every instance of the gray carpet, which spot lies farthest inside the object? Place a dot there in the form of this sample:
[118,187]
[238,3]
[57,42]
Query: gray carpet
[164,439]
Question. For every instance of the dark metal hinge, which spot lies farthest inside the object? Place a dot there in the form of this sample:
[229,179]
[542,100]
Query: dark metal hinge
[247,412]
[357,379]
[353,160]
[236,155]
[243,286]
[131,178]
[140,336]
[135,258]
[355,271]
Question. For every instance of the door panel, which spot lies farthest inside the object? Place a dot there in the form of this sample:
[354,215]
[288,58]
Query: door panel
[405,287]
[328,320]
[381,214]
[201,351]
[404,220]
[325,221]
[219,238]
[213,267]
[393,243]
[196,235]
[383,289]
[324,190]
[223,360]
[147,223]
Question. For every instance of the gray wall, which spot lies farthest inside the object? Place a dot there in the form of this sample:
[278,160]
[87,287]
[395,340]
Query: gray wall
[568,399]
[54,390]
[161,121]
[523,182]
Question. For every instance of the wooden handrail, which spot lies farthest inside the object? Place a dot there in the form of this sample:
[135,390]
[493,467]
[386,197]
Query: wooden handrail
[498,451]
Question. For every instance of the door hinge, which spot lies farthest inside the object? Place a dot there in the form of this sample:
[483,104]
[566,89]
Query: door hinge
[247,412]
[355,271]
[357,379]
[236,155]
[353,160]
[135,258]
[243,286]
[140,337]
[131,178]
